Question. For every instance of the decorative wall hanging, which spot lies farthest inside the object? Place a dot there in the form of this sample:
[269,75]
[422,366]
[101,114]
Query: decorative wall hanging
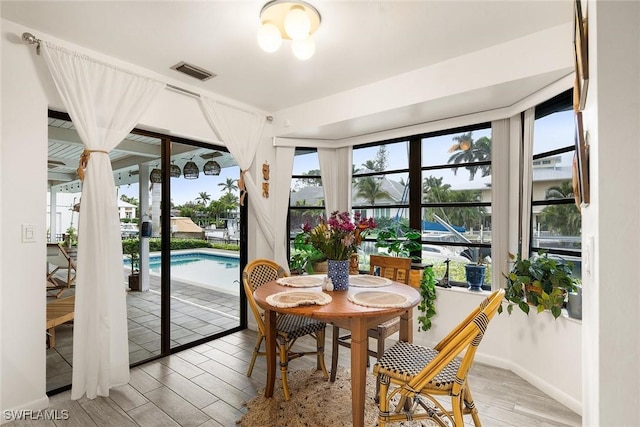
[581,165]
[265,176]
[581,49]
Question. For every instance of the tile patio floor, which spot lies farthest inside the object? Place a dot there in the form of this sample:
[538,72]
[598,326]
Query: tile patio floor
[196,312]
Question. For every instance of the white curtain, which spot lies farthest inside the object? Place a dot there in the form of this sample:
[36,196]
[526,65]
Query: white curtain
[500,134]
[335,169]
[104,103]
[241,131]
[280,188]
[527,175]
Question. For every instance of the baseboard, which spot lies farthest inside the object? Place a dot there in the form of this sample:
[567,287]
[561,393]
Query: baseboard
[546,387]
[35,405]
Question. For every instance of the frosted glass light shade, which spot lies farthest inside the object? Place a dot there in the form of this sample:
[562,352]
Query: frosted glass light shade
[297,23]
[269,38]
[303,49]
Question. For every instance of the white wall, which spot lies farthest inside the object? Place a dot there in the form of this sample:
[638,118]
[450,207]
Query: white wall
[23,171]
[540,349]
[611,223]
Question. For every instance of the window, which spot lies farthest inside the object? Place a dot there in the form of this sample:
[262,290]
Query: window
[556,222]
[306,197]
[441,184]
[456,201]
[380,188]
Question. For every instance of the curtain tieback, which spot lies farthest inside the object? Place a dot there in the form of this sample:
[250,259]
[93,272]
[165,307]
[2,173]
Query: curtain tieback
[84,159]
[241,187]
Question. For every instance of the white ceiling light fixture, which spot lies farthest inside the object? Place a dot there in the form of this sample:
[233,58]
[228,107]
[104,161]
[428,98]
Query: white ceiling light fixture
[291,20]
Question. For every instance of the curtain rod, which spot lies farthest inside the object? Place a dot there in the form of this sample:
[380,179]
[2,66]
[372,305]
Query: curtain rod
[31,39]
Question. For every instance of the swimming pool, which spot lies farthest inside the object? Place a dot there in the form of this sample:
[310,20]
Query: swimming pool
[209,270]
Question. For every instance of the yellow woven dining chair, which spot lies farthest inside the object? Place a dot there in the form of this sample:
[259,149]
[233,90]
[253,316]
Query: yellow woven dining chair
[419,374]
[394,268]
[289,327]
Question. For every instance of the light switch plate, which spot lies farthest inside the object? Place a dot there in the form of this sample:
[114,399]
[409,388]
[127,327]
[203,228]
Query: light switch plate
[28,233]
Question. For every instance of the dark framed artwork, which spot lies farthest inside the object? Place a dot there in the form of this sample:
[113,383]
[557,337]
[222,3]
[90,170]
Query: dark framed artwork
[581,57]
[581,165]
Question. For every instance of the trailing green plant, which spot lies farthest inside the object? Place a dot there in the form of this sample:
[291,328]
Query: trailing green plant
[428,297]
[540,281]
[400,240]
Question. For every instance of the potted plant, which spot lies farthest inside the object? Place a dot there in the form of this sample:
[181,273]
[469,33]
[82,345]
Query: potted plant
[337,238]
[475,270]
[574,301]
[306,257]
[540,281]
[399,240]
[131,248]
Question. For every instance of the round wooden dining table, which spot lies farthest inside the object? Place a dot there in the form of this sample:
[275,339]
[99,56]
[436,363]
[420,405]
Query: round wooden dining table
[344,314]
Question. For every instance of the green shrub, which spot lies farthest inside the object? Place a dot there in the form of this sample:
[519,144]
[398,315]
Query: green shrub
[155,245]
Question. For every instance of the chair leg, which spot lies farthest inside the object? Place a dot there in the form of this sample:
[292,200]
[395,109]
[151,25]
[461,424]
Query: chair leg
[334,352]
[256,350]
[456,406]
[320,340]
[380,352]
[381,399]
[284,363]
[471,406]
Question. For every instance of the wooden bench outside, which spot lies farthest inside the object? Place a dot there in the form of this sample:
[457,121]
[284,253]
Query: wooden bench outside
[59,312]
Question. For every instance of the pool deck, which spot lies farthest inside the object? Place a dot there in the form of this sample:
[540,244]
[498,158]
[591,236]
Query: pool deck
[196,312]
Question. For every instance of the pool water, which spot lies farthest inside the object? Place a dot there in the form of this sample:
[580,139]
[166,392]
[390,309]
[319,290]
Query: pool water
[213,271]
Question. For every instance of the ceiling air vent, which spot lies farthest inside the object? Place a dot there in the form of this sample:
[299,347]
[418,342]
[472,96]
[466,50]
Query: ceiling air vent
[193,71]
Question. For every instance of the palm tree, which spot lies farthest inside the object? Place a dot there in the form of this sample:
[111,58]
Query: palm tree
[371,165]
[370,188]
[466,150]
[435,192]
[229,185]
[229,201]
[203,198]
[563,219]
[216,208]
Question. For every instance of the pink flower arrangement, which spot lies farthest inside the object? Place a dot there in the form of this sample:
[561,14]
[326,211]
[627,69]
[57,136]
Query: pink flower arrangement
[338,237]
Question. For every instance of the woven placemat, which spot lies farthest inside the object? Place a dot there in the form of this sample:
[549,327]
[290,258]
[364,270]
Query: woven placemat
[368,281]
[379,299]
[301,281]
[297,298]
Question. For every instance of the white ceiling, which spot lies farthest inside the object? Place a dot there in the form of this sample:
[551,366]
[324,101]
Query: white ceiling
[358,42]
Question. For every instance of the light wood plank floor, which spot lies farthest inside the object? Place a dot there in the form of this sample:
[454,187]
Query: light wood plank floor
[206,385]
